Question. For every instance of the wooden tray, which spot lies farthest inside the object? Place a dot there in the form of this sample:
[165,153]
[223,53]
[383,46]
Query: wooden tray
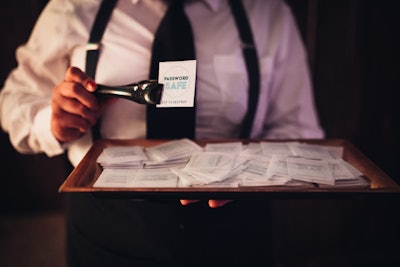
[83,177]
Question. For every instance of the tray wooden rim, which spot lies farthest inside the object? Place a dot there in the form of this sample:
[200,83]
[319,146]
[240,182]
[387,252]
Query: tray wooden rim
[82,178]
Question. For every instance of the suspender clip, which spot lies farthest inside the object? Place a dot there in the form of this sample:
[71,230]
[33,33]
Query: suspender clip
[247,46]
[93,46]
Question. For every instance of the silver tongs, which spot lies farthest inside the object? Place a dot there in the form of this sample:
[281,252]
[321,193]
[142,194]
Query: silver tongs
[147,92]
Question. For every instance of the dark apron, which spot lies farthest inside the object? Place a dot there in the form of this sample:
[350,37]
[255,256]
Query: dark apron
[128,232]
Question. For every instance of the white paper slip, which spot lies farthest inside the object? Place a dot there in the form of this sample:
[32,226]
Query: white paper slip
[211,160]
[175,149]
[340,170]
[230,147]
[186,179]
[179,80]
[335,151]
[213,166]
[353,169]
[278,167]
[121,154]
[309,170]
[215,175]
[165,164]
[273,181]
[242,158]
[276,148]
[358,182]
[255,170]
[115,178]
[252,148]
[123,166]
[155,178]
[310,151]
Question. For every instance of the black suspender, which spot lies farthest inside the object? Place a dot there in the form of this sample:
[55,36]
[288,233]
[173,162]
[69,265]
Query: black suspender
[247,43]
[99,26]
[93,46]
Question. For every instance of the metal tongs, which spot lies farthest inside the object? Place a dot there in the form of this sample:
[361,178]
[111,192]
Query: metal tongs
[147,92]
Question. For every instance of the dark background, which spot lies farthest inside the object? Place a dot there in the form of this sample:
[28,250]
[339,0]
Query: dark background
[354,56]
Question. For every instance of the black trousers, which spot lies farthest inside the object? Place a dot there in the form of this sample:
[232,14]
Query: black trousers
[128,232]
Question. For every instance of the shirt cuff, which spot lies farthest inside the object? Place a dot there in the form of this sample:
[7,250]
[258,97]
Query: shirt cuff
[41,131]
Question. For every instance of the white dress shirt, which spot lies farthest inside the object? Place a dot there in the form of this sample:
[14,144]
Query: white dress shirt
[286,106]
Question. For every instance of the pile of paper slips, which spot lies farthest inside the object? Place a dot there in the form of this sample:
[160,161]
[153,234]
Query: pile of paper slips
[183,163]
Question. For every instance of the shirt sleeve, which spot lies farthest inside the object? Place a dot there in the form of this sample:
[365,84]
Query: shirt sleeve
[25,99]
[291,108]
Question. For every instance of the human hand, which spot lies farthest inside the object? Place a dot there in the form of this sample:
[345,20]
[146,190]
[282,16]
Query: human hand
[212,203]
[74,108]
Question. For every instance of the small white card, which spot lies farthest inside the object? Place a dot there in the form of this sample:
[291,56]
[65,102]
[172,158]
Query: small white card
[179,80]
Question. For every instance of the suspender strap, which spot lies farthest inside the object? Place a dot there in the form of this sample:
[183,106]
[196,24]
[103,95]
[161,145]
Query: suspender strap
[252,65]
[93,46]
